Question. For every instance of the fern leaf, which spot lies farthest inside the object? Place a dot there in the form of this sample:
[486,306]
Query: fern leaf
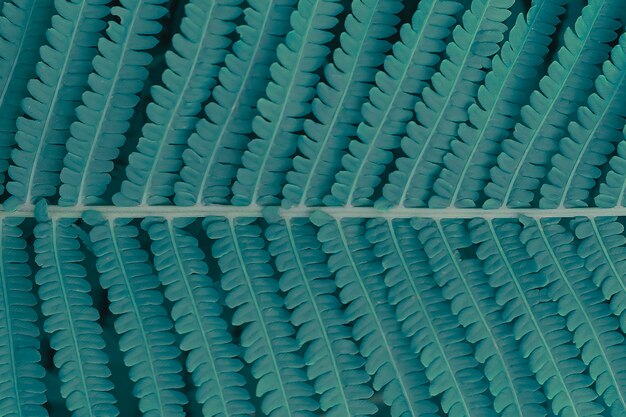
[142,322]
[103,117]
[267,337]
[198,51]
[23,25]
[588,317]
[591,139]
[337,105]
[72,321]
[445,104]
[212,359]
[537,326]
[331,356]
[215,148]
[612,191]
[54,95]
[391,102]
[400,379]
[21,388]
[427,319]
[506,88]
[287,100]
[523,162]
[603,247]
[465,285]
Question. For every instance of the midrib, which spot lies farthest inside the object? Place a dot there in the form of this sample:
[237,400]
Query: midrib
[228,211]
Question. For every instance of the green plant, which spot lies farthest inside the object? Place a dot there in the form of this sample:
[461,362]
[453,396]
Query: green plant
[313,207]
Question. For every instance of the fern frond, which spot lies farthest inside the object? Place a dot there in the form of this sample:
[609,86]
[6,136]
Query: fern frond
[267,336]
[331,356]
[49,110]
[217,145]
[400,379]
[212,359]
[491,119]
[445,103]
[588,317]
[198,51]
[603,247]
[591,139]
[525,157]
[426,318]
[103,117]
[23,25]
[391,102]
[612,191]
[465,285]
[142,323]
[287,101]
[22,392]
[337,105]
[540,330]
[72,321]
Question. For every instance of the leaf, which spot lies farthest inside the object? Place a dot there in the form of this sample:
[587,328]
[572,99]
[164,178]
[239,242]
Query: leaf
[347,82]
[198,51]
[286,102]
[103,117]
[23,27]
[592,137]
[215,148]
[465,285]
[391,102]
[588,317]
[21,386]
[498,102]
[445,103]
[267,336]
[401,380]
[141,320]
[426,318]
[540,330]
[54,95]
[331,356]
[613,188]
[72,321]
[213,357]
[603,247]
[523,163]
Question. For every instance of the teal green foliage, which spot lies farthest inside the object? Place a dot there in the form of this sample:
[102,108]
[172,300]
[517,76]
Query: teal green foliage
[299,208]
[71,320]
